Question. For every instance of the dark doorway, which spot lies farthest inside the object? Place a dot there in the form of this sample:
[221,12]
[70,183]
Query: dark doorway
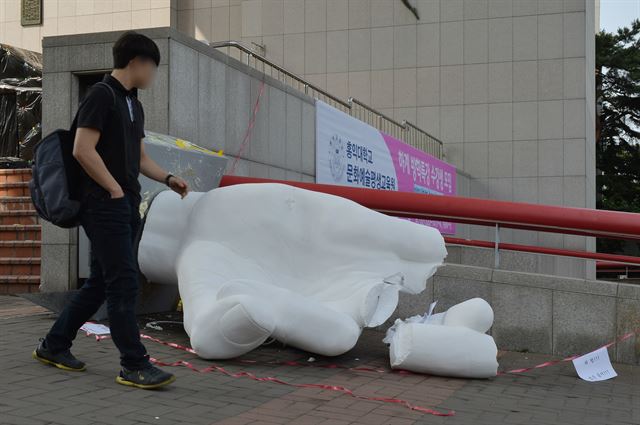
[85,81]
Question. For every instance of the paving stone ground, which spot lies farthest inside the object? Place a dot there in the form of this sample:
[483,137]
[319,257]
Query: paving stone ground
[32,393]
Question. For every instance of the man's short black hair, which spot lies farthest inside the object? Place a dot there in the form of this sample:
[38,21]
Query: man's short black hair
[132,44]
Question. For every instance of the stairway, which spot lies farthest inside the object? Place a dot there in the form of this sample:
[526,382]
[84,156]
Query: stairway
[19,234]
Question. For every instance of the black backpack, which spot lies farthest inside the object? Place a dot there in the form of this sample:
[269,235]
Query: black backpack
[56,176]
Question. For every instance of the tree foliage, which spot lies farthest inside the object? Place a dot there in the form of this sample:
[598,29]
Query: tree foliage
[618,125]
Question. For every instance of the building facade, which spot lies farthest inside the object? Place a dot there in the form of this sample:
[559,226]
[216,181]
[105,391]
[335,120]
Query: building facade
[507,85]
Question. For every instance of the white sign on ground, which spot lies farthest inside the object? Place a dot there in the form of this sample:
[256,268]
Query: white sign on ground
[95,329]
[595,366]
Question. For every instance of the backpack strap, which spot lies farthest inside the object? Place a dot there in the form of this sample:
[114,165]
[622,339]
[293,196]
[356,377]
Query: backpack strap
[75,119]
[74,124]
[113,94]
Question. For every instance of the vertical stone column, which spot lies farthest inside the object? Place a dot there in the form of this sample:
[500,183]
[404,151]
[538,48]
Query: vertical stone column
[59,246]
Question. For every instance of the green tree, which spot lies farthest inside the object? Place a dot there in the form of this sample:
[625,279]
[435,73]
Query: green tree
[618,125]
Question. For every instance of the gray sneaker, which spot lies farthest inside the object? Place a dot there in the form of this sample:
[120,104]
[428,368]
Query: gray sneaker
[64,360]
[148,378]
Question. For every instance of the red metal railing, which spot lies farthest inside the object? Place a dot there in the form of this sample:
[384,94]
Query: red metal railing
[486,212]
[613,268]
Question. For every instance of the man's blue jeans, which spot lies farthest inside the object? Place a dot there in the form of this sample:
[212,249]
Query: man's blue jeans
[112,226]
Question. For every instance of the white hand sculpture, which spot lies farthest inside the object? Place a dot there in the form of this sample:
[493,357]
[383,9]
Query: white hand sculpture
[452,343]
[260,260]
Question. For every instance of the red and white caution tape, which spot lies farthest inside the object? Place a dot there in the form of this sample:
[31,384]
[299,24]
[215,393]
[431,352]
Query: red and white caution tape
[567,359]
[344,390]
[249,375]
[338,388]
[274,363]
[379,370]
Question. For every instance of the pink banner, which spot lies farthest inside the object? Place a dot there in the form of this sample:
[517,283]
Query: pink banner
[417,171]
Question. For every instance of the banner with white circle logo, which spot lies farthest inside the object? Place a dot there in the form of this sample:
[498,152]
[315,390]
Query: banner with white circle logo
[352,153]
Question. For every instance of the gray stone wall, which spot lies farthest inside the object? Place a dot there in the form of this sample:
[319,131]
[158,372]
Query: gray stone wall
[539,313]
[211,101]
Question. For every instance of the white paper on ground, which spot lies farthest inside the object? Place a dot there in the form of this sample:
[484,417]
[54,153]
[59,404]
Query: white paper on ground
[95,329]
[595,366]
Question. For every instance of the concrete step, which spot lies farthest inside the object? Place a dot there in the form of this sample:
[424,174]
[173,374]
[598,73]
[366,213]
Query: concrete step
[17,284]
[15,175]
[20,232]
[11,203]
[18,217]
[14,189]
[19,249]
[19,279]
[23,266]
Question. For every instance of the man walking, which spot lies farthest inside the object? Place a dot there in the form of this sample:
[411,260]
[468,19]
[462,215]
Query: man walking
[108,145]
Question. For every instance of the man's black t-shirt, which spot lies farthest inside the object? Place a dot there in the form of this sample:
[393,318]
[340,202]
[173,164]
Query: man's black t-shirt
[121,127]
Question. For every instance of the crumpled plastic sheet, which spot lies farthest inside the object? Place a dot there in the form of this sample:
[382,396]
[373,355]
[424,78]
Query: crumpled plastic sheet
[8,124]
[19,63]
[20,104]
[29,116]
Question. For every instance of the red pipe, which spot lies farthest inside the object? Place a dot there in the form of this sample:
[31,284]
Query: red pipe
[486,212]
[606,265]
[615,258]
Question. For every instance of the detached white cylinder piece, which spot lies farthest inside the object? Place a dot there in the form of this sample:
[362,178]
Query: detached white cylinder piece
[452,343]
[474,314]
[443,350]
[262,260]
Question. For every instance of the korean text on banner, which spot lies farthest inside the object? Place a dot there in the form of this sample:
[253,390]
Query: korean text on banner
[352,153]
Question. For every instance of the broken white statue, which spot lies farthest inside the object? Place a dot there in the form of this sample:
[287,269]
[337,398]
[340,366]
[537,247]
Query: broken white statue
[453,343]
[262,260]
